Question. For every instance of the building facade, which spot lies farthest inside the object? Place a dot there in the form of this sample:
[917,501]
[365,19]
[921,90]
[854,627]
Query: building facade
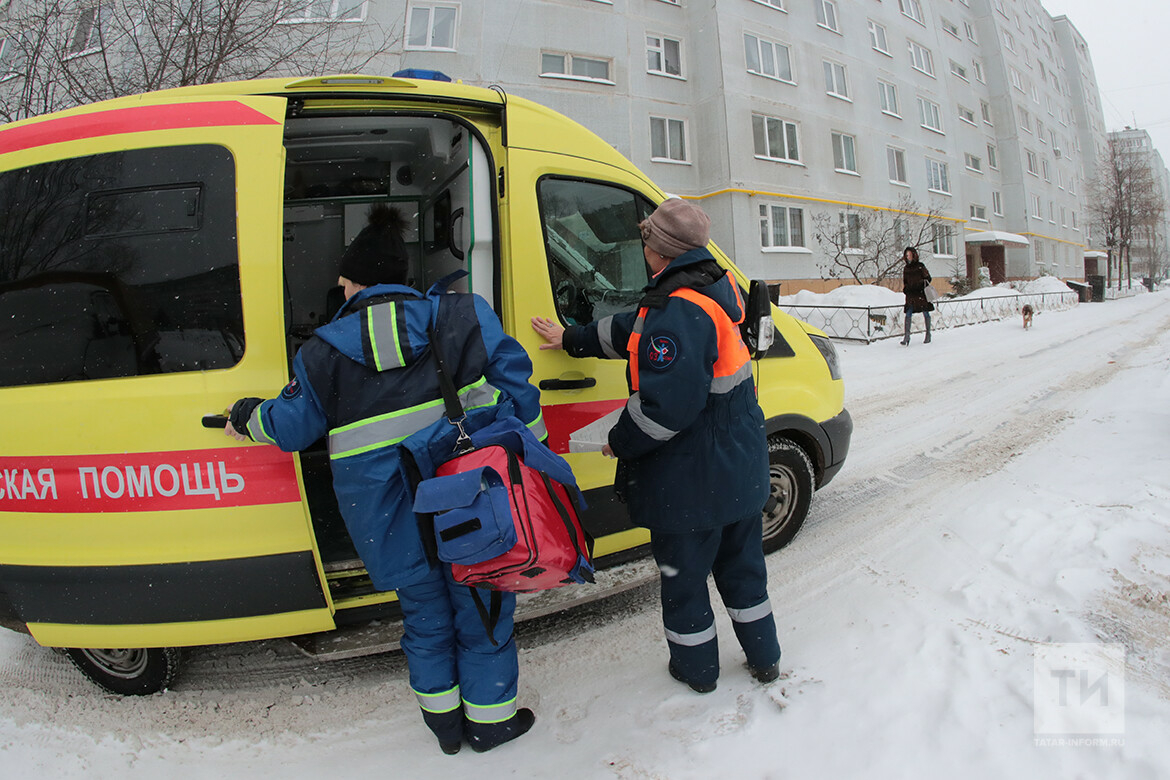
[781,115]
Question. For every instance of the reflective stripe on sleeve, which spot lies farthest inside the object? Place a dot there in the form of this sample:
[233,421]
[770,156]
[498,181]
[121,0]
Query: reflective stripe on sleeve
[725,384]
[691,640]
[605,336]
[537,426]
[751,614]
[388,429]
[439,702]
[489,713]
[256,427]
[645,424]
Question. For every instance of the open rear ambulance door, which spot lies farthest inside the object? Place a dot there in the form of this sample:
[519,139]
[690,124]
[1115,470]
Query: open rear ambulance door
[141,291]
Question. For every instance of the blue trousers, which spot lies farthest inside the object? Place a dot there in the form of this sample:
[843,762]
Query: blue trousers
[734,556]
[452,661]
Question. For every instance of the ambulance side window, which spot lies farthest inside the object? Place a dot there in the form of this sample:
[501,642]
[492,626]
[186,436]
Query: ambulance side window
[119,264]
[593,246]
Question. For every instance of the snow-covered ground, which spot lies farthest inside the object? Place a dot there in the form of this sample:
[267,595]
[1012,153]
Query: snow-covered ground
[1006,490]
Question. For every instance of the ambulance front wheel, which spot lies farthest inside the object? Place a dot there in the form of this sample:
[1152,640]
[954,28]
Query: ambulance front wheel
[791,483]
[128,672]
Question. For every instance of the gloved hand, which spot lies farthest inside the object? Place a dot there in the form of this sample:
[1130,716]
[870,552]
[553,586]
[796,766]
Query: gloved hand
[240,414]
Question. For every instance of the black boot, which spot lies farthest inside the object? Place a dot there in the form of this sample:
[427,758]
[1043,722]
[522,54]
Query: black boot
[484,736]
[448,728]
[767,674]
[697,687]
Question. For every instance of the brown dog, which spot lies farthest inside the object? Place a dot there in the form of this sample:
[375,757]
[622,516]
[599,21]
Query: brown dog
[1028,312]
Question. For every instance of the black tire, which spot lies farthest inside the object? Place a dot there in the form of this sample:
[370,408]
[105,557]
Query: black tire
[128,672]
[792,484]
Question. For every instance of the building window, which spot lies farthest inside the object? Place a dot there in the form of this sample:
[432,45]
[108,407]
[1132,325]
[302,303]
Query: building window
[1045,171]
[943,242]
[930,115]
[844,159]
[432,26]
[912,9]
[978,212]
[835,83]
[973,163]
[767,58]
[849,229]
[1040,134]
[985,111]
[937,177]
[896,163]
[992,160]
[1009,42]
[555,64]
[967,115]
[889,96]
[775,139]
[970,32]
[668,139]
[86,36]
[827,14]
[950,27]
[977,70]
[663,56]
[1036,207]
[322,10]
[1030,162]
[877,37]
[1025,118]
[958,70]
[1017,79]
[777,4]
[781,226]
[921,58]
[996,204]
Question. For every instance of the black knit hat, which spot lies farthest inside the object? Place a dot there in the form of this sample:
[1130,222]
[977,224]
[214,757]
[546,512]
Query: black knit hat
[377,255]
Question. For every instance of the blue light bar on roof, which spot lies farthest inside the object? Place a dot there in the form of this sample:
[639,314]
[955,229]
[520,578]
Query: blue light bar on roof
[422,73]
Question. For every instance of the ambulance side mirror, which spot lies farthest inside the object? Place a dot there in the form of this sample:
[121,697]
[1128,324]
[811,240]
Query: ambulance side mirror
[757,329]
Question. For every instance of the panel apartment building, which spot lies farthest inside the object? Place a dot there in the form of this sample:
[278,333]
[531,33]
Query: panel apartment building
[772,112]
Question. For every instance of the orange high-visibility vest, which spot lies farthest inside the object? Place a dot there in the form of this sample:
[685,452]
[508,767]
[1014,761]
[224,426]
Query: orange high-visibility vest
[733,353]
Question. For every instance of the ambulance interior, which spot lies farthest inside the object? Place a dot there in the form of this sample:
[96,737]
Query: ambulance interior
[435,172]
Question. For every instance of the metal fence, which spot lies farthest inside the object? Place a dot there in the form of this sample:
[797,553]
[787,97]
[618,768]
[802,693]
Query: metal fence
[872,323]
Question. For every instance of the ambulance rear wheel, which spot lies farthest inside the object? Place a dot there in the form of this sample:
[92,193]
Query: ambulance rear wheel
[791,483]
[128,671]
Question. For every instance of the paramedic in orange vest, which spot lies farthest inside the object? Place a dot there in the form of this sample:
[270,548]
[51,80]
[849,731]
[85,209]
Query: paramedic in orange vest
[691,447]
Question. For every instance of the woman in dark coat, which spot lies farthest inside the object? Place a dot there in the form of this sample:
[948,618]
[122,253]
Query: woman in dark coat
[915,280]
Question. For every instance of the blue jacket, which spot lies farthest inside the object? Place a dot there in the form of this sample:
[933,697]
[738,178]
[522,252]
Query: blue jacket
[366,381]
[691,442]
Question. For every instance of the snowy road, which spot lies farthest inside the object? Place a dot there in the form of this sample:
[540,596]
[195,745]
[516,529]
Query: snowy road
[1006,489]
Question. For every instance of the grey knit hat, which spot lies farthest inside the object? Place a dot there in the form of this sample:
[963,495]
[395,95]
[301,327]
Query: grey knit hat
[676,226]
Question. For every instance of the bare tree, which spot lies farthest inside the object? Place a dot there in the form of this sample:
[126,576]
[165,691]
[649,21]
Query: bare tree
[1125,203]
[60,53]
[866,245]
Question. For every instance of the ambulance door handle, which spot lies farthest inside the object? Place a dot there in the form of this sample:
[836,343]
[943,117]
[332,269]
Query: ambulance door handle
[567,384]
[215,421]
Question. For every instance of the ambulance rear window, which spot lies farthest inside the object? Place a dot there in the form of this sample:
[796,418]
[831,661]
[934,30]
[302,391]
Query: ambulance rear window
[121,264]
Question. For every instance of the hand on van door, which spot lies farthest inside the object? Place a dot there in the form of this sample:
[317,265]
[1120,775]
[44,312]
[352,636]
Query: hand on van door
[550,331]
[237,424]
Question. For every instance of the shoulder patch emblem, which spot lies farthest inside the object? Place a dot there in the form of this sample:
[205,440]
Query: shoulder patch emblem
[661,352]
[291,390]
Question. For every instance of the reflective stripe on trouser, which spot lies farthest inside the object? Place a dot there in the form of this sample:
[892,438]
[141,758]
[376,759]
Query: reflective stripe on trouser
[444,701]
[734,556]
[447,648]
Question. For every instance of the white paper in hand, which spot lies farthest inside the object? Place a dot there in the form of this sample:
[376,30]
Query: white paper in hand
[595,435]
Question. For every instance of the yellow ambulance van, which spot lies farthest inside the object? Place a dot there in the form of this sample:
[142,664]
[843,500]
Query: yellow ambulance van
[165,254]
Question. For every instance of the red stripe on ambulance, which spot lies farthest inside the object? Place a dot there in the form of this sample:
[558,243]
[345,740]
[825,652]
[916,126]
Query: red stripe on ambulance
[136,119]
[148,481]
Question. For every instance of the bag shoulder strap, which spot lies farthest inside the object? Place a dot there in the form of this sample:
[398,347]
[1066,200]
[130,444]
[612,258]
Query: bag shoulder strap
[453,409]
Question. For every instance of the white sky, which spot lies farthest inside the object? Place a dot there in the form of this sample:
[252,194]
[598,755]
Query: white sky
[1131,55]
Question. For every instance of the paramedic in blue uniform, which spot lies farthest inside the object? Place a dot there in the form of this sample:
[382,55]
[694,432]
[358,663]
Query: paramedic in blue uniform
[691,447]
[366,382]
